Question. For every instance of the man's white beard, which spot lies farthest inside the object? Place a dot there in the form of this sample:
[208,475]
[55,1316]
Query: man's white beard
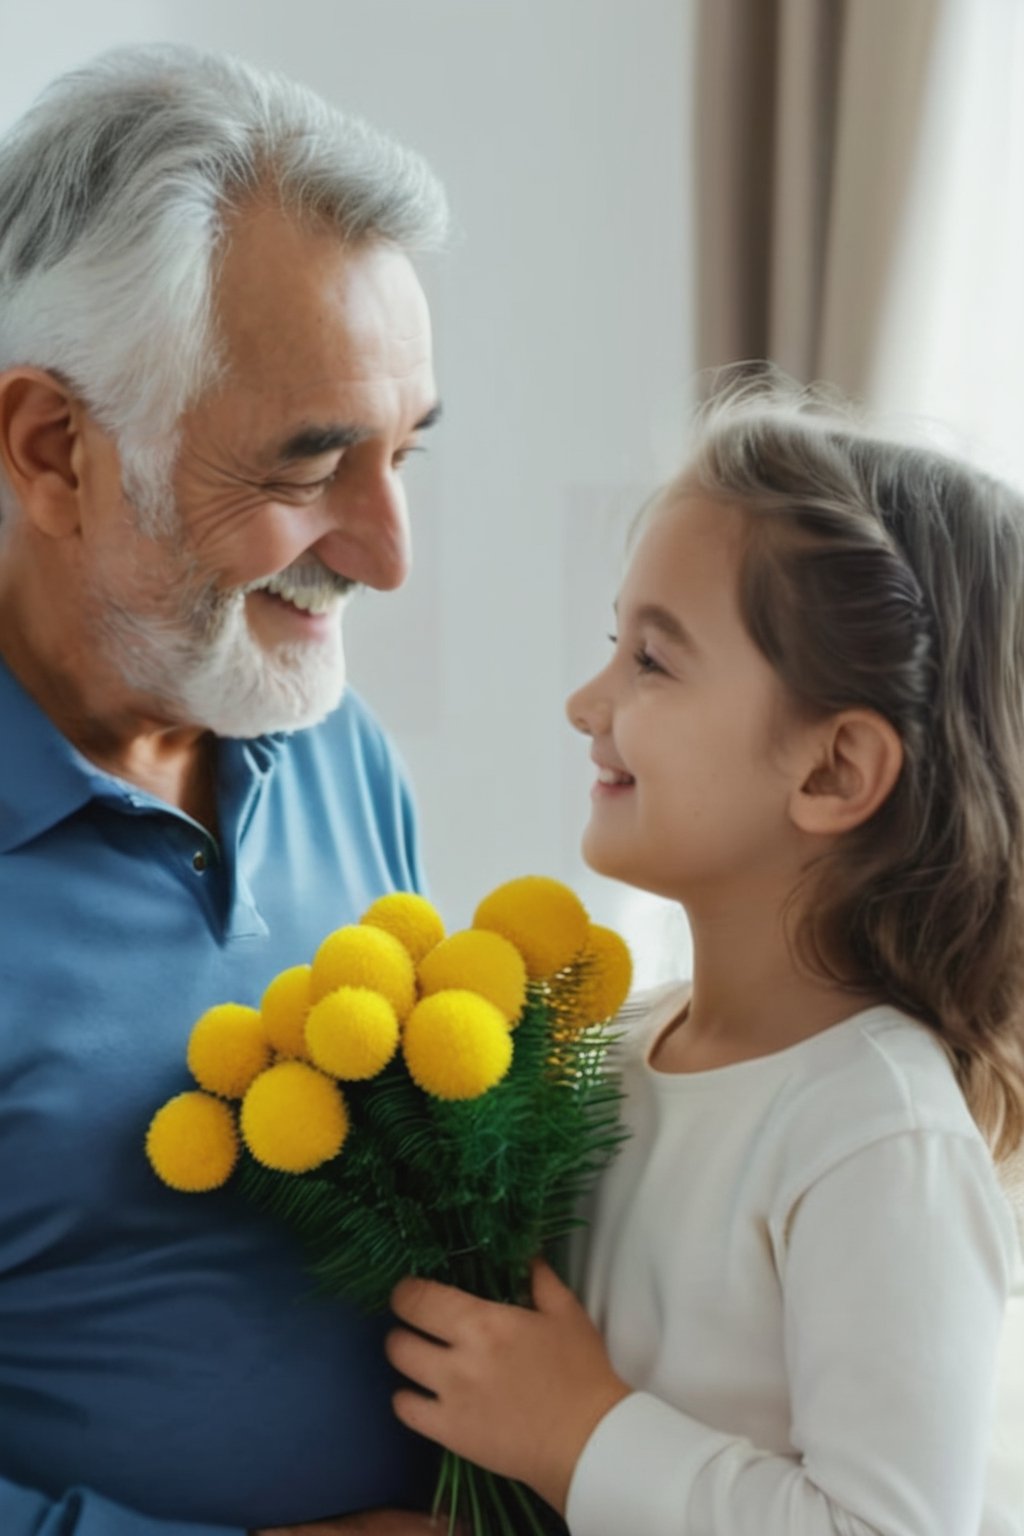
[198,661]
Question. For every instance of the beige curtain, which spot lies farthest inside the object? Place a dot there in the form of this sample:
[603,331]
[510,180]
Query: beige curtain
[808,115]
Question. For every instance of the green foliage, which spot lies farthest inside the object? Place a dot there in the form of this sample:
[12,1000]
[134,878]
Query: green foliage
[465,1192]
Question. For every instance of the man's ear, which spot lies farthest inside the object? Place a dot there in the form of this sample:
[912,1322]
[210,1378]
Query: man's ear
[858,760]
[40,426]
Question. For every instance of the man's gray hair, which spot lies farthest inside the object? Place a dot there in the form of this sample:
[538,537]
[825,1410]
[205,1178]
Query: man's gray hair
[115,189]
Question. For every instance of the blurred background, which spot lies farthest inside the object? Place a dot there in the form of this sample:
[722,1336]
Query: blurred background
[642,189]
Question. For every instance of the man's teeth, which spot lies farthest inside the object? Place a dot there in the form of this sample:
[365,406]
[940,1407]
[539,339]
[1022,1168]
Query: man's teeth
[613,776]
[308,599]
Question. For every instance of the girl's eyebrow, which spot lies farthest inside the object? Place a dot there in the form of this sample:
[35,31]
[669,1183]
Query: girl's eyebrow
[667,624]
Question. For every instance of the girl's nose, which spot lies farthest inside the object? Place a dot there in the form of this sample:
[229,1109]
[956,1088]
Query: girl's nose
[585,710]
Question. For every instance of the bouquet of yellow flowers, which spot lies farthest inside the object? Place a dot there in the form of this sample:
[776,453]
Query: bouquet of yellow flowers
[411,1103]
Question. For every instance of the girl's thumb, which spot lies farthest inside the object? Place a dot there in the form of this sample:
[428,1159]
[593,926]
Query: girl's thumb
[549,1293]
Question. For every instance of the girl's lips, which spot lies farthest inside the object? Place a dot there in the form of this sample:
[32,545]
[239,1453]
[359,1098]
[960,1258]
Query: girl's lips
[609,791]
[611,781]
[606,774]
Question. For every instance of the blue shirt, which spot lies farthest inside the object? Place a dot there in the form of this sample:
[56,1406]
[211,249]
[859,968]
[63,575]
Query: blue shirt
[163,1369]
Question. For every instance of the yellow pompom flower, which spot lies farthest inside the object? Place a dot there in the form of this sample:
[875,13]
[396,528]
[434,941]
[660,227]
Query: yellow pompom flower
[192,1142]
[409,918]
[227,1049]
[598,983]
[284,1007]
[293,1118]
[543,918]
[477,961]
[363,956]
[456,1045]
[352,1033]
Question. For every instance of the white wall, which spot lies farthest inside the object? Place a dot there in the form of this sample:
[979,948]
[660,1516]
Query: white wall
[564,341]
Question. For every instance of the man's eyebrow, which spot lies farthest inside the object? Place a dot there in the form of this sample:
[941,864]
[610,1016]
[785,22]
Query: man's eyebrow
[666,622]
[310,442]
[431,419]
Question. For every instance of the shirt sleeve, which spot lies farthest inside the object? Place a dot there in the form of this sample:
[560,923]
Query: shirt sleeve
[24,1512]
[894,1267]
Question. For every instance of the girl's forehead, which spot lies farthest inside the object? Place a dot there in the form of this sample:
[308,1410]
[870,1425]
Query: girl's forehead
[686,527]
[687,560]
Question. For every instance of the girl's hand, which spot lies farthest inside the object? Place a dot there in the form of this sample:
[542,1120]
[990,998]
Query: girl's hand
[517,1391]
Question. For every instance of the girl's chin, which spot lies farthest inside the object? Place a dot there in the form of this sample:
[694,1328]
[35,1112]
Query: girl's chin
[602,859]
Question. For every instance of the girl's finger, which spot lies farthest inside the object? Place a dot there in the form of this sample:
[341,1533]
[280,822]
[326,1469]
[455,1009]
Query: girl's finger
[431,1307]
[420,1359]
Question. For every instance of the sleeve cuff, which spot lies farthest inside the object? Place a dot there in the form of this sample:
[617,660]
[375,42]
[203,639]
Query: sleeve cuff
[637,1470]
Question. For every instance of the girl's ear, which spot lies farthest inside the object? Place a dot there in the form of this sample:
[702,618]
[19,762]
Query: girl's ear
[858,760]
[39,447]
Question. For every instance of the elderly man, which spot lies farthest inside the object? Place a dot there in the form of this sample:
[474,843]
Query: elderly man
[214,358]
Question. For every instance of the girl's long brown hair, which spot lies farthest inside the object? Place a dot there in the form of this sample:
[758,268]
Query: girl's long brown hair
[889,576]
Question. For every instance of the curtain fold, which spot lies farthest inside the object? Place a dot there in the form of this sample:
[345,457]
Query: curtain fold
[808,119]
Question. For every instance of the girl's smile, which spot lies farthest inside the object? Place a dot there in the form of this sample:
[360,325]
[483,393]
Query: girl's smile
[611,781]
[693,777]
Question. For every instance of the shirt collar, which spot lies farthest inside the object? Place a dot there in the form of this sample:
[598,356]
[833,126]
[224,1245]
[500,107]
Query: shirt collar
[44,779]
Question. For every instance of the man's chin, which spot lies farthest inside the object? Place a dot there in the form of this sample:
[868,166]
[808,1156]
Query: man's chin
[271,698]
[266,719]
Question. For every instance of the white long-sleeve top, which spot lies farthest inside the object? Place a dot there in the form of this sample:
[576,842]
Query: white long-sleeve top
[800,1263]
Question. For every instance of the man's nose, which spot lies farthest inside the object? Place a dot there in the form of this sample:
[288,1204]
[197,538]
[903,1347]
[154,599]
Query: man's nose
[369,538]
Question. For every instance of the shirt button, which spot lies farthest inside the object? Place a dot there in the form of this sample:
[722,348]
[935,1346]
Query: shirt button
[199,861]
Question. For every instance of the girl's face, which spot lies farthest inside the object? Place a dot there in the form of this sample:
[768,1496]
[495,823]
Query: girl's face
[697,754]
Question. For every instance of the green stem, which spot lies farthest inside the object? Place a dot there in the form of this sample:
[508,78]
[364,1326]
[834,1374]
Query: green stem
[527,1506]
[446,1489]
[497,1487]
[453,1514]
[476,1515]
[498,1505]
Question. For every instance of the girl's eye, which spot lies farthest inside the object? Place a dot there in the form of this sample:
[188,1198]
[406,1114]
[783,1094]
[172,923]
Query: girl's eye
[403,453]
[645,661]
[642,657]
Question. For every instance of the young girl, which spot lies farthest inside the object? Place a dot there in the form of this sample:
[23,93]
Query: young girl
[811,734]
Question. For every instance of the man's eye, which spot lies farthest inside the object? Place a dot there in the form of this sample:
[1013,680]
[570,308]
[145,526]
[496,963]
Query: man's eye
[305,488]
[403,453]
